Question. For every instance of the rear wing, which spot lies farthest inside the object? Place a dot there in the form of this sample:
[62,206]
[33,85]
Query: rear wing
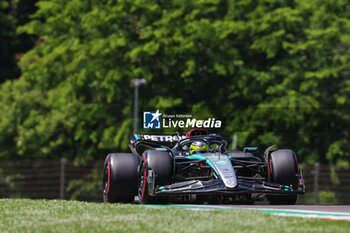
[153,141]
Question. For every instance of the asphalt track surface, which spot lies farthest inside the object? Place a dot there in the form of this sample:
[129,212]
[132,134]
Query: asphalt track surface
[321,208]
[328,212]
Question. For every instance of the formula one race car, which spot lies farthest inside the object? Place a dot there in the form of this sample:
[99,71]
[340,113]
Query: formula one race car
[197,168]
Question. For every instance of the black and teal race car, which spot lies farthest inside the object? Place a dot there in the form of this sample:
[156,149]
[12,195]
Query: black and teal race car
[161,169]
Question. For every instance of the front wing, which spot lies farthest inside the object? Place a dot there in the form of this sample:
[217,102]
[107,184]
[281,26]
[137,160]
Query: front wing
[217,187]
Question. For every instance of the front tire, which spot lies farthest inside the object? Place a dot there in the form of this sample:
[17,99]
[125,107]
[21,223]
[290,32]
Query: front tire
[157,166]
[120,177]
[283,169]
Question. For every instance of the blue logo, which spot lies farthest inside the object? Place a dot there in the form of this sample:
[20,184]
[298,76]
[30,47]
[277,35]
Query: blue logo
[151,120]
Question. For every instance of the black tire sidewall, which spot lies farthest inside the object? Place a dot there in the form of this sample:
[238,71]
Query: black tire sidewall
[123,176]
[161,165]
[283,169]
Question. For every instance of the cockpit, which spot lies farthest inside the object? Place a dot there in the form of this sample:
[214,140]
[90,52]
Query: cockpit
[202,144]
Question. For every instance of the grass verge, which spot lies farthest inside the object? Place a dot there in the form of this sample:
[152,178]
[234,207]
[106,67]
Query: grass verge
[24,215]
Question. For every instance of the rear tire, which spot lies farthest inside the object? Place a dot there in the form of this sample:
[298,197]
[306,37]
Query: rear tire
[283,169]
[120,177]
[159,164]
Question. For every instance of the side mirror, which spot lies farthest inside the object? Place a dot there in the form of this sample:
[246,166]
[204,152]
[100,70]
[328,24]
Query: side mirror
[250,149]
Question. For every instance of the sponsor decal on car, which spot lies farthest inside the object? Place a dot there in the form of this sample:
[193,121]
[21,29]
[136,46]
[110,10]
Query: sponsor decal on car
[162,138]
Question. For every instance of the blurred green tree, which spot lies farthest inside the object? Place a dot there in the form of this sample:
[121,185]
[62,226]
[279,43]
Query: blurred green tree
[275,72]
[13,13]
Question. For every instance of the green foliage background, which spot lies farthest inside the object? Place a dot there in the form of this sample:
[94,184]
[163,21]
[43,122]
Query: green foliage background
[275,72]
[13,13]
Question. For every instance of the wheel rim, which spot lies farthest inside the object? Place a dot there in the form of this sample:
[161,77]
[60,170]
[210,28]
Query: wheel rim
[140,187]
[142,183]
[105,192]
[105,185]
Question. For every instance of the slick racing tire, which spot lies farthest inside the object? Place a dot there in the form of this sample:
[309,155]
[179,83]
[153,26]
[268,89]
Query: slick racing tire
[120,177]
[156,166]
[283,169]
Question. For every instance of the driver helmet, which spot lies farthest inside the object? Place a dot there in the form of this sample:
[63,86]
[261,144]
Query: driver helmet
[198,147]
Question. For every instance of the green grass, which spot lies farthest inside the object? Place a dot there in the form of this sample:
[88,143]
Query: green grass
[23,215]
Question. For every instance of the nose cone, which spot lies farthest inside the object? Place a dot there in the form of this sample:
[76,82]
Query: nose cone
[223,167]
